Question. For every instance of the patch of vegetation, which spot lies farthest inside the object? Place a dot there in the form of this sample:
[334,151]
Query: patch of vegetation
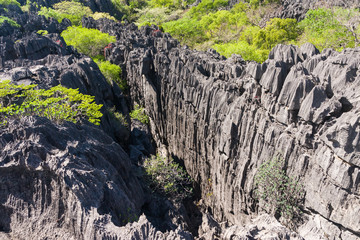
[9,20]
[99,15]
[139,114]
[112,72]
[74,11]
[119,117]
[9,2]
[336,28]
[167,177]
[90,42]
[280,194]
[57,103]
[42,32]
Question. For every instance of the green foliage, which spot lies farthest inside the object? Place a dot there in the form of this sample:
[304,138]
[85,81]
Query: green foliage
[205,7]
[167,177]
[187,30]
[42,32]
[112,72]
[257,3]
[330,28]
[99,15]
[9,2]
[88,41]
[74,11]
[57,103]
[280,194]
[119,117]
[9,20]
[277,31]
[248,52]
[139,114]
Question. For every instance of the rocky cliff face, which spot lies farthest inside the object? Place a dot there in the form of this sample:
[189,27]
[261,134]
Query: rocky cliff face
[297,9]
[225,117]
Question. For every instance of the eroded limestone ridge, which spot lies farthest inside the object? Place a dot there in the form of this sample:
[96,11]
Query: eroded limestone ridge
[224,117]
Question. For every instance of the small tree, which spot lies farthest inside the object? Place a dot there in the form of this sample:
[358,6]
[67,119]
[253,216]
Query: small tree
[88,41]
[166,176]
[278,193]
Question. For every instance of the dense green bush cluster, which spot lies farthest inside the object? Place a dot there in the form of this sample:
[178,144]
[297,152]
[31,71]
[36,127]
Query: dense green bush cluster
[9,20]
[57,103]
[72,10]
[167,177]
[111,72]
[139,114]
[90,42]
[9,2]
[280,194]
[238,31]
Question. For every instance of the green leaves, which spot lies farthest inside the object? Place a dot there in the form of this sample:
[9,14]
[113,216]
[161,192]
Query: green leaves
[112,72]
[74,11]
[90,42]
[279,193]
[166,176]
[331,28]
[57,103]
[9,20]
[139,114]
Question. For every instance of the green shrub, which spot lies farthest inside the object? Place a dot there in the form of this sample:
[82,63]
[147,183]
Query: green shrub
[330,28]
[277,31]
[42,32]
[280,194]
[74,11]
[90,42]
[247,52]
[9,20]
[118,116]
[57,103]
[9,2]
[112,72]
[167,177]
[139,114]
[99,15]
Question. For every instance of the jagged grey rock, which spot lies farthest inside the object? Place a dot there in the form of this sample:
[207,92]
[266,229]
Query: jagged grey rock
[300,105]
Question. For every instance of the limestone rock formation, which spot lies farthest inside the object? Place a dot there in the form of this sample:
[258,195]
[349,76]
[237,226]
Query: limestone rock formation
[225,117]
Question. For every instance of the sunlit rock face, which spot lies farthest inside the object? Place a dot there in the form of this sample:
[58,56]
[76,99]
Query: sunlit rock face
[225,117]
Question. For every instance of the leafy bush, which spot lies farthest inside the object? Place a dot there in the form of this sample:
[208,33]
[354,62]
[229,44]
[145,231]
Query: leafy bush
[167,177]
[139,114]
[42,32]
[112,72]
[74,11]
[277,31]
[9,2]
[330,28]
[118,116]
[57,103]
[248,52]
[9,20]
[281,194]
[98,15]
[88,41]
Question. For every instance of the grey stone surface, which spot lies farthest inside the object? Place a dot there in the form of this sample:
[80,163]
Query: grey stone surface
[305,109]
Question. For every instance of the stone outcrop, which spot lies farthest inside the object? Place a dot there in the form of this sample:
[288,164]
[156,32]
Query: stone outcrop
[297,9]
[59,177]
[225,117]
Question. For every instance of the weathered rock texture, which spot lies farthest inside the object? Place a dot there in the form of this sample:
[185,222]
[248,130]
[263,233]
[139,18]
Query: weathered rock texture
[69,182]
[224,117]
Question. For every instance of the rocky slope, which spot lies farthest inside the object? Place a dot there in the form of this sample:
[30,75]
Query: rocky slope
[224,117]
